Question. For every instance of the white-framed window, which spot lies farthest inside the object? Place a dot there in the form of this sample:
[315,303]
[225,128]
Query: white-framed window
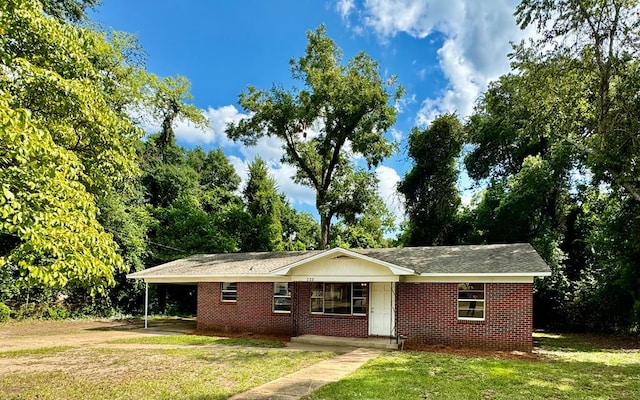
[281,297]
[229,291]
[471,301]
[339,298]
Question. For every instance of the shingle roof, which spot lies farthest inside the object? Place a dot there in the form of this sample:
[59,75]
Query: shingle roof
[499,259]
[235,264]
[516,258]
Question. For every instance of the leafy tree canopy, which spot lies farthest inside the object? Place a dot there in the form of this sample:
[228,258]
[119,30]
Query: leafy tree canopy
[340,107]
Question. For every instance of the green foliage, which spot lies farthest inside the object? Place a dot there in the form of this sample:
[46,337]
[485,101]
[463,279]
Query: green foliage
[557,140]
[57,312]
[265,206]
[167,99]
[366,229]
[5,312]
[595,42]
[64,146]
[300,230]
[44,204]
[68,10]
[339,104]
[429,187]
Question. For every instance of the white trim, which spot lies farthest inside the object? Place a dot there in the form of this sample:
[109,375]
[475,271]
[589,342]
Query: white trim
[468,278]
[213,278]
[395,269]
[228,291]
[483,300]
[275,296]
[194,280]
[532,274]
[344,278]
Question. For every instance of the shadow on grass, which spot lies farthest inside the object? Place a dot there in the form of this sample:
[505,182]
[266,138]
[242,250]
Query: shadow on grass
[155,326]
[575,342]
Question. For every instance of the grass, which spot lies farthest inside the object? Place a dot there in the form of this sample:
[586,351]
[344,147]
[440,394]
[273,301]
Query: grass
[568,367]
[34,352]
[194,340]
[212,372]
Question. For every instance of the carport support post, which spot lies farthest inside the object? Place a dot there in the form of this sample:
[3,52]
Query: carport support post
[146,303]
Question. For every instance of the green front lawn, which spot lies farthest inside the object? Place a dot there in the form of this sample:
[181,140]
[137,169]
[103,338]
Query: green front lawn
[107,372]
[567,367]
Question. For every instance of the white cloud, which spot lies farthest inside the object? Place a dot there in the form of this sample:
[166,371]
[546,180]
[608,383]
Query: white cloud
[396,135]
[344,8]
[387,189]
[213,135]
[477,36]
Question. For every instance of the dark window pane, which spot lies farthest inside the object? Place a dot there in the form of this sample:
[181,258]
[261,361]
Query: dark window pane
[316,290]
[360,306]
[229,286]
[316,305]
[281,289]
[360,290]
[282,304]
[337,298]
[229,296]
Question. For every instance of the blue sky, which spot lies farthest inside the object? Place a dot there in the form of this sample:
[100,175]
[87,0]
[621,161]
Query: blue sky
[443,53]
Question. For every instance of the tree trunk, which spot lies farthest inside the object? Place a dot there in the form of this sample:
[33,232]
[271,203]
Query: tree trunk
[325,223]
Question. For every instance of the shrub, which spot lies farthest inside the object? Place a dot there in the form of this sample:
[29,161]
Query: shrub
[56,312]
[5,312]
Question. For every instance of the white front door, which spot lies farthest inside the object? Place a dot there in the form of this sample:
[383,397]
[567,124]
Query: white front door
[381,309]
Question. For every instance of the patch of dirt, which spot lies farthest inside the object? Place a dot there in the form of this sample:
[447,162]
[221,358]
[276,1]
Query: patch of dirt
[471,352]
[36,334]
[244,335]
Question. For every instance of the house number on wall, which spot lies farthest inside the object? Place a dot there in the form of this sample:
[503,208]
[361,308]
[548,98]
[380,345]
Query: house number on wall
[310,279]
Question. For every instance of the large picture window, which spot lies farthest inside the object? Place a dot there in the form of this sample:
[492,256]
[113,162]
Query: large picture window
[229,291]
[471,301]
[281,297]
[339,298]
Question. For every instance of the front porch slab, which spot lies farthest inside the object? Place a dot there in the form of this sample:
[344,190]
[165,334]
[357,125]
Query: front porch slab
[368,343]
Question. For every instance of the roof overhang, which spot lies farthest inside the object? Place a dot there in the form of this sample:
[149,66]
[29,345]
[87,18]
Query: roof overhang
[452,275]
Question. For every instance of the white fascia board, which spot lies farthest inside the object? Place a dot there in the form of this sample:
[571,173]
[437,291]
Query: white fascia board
[344,278]
[532,274]
[468,278]
[396,269]
[212,278]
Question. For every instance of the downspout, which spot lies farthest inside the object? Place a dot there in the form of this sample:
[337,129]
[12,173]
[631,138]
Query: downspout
[146,303]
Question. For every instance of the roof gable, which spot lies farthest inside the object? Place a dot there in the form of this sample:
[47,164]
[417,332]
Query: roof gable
[337,253]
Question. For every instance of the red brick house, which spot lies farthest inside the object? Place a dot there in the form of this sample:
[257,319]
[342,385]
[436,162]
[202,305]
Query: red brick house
[478,296]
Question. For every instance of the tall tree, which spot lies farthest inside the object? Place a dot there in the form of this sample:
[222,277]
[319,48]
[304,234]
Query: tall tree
[72,137]
[349,105]
[167,99]
[596,41]
[429,188]
[265,206]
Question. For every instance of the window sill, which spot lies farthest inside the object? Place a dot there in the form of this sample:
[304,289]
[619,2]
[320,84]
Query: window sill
[472,321]
[349,316]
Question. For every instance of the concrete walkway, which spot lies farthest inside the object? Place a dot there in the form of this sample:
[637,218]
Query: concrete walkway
[305,381]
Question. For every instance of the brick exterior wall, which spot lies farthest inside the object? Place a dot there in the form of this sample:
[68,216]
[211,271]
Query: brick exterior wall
[427,313]
[326,325]
[252,312]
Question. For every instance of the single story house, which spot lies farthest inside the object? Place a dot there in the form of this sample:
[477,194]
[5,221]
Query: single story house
[472,296]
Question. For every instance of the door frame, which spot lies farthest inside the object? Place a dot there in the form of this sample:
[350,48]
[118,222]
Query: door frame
[391,309]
